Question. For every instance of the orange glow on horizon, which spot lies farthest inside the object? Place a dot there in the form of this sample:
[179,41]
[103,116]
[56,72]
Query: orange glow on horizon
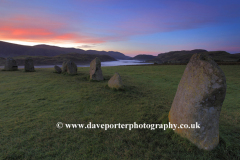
[43,35]
[24,28]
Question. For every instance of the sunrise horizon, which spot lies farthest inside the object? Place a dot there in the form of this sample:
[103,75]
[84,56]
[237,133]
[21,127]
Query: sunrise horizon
[132,28]
[130,55]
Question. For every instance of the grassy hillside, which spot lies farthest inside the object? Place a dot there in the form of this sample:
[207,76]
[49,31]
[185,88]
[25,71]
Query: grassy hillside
[32,104]
[59,59]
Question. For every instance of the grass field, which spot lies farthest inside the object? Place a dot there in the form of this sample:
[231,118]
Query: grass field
[32,103]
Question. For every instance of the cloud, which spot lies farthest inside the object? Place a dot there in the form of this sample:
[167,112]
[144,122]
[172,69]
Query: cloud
[173,16]
[91,22]
[86,46]
[27,28]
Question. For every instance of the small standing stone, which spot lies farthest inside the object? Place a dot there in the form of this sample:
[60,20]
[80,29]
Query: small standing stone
[64,66]
[95,70]
[29,66]
[71,68]
[58,69]
[199,98]
[115,82]
[11,64]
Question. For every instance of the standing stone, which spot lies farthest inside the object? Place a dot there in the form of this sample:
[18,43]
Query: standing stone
[29,66]
[11,64]
[95,70]
[58,69]
[71,67]
[64,66]
[199,98]
[115,82]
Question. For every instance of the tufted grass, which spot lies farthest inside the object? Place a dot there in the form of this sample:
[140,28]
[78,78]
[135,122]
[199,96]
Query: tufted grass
[31,103]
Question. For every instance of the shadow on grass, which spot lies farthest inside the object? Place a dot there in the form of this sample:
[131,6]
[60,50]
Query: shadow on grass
[124,89]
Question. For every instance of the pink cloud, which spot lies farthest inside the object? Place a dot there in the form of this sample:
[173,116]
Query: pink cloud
[27,28]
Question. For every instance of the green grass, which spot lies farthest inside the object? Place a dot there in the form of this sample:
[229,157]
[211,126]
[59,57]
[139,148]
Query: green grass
[31,103]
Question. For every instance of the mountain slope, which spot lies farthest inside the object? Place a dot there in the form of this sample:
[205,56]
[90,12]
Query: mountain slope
[12,50]
[144,57]
[59,59]
[184,56]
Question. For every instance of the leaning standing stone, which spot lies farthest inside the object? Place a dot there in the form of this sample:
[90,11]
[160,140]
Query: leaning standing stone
[71,67]
[58,69]
[199,98]
[95,70]
[11,64]
[115,82]
[29,66]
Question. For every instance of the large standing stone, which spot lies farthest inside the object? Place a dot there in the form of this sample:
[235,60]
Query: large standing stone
[115,82]
[57,69]
[29,66]
[11,64]
[95,70]
[199,98]
[71,67]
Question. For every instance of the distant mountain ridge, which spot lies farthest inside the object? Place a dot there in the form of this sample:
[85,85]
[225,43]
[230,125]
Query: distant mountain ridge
[184,56]
[59,59]
[13,50]
[144,57]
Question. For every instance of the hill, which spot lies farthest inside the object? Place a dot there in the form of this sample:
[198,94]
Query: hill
[13,50]
[144,57]
[184,56]
[114,54]
[59,59]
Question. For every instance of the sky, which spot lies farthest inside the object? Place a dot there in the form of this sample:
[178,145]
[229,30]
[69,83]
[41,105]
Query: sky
[131,27]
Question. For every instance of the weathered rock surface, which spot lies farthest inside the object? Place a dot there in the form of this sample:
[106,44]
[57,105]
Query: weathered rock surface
[29,66]
[64,66]
[199,98]
[11,64]
[115,82]
[71,67]
[58,69]
[95,70]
